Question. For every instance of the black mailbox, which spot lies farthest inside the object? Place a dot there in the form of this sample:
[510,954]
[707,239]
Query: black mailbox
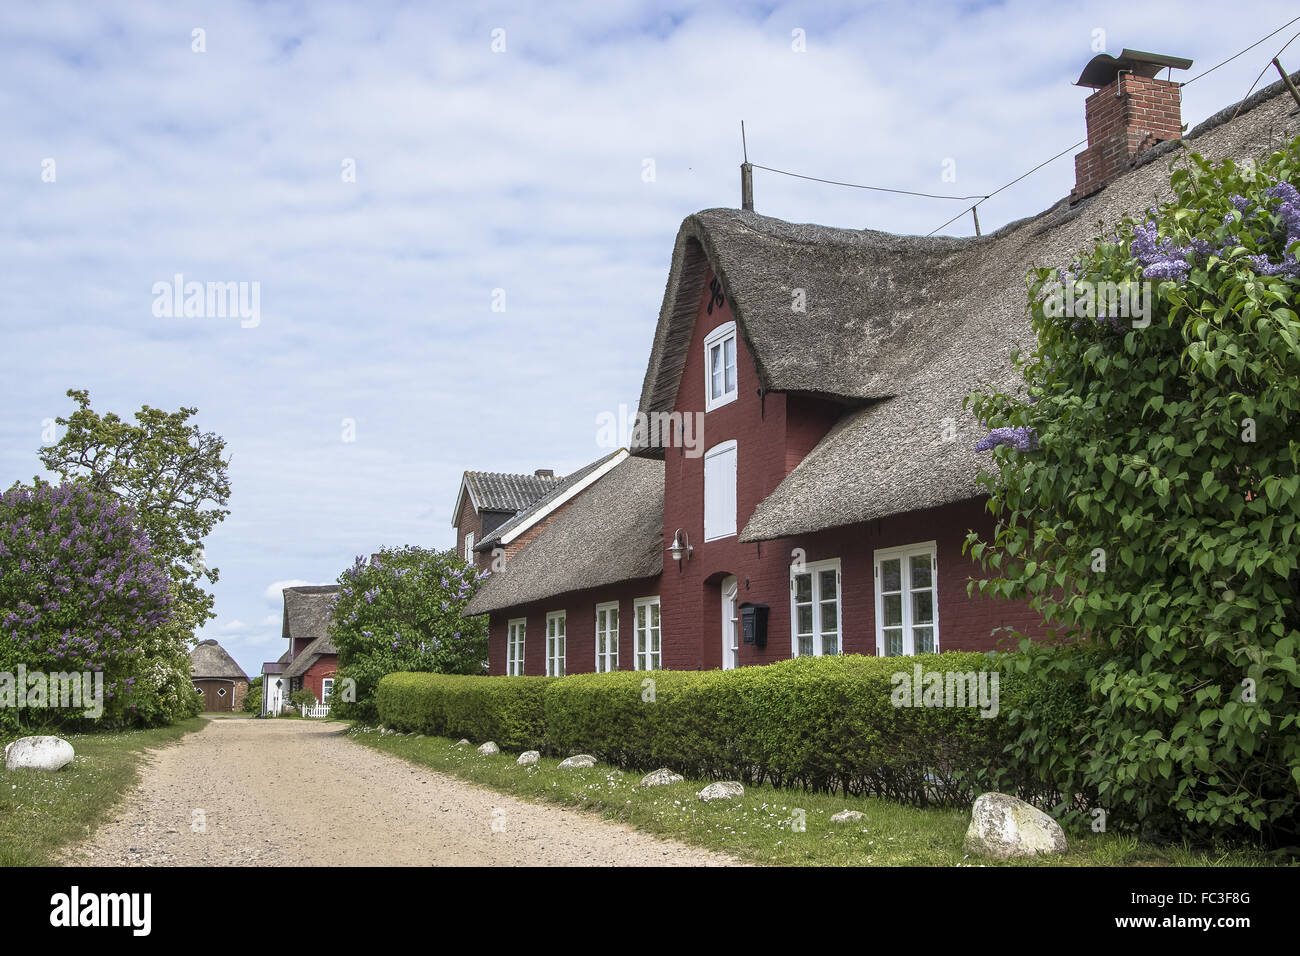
[753,624]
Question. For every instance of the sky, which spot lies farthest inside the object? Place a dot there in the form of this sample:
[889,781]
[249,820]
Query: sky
[457,218]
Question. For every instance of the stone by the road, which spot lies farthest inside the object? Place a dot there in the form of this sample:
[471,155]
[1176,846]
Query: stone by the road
[661,777]
[1003,827]
[722,790]
[38,753]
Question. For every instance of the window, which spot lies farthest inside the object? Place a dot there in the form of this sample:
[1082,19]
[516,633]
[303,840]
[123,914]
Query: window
[607,637]
[907,614]
[555,626]
[649,654]
[469,547]
[720,367]
[720,491]
[326,688]
[815,625]
[221,692]
[515,647]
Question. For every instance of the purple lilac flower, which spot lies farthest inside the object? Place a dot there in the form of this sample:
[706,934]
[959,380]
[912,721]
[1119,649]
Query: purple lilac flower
[1020,438]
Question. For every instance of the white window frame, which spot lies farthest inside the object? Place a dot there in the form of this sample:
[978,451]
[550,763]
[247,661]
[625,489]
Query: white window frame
[721,526]
[516,632]
[609,660]
[719,337]
[325,694]
[814,569]
[905,553]
[646,660]
[469,547]
[556,644]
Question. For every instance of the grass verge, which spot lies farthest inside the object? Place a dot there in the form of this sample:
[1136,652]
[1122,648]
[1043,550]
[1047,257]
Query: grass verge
[761,826]
[40,812]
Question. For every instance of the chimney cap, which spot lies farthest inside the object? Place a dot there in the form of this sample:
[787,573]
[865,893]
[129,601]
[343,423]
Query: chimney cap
[1103,68]
[545,473]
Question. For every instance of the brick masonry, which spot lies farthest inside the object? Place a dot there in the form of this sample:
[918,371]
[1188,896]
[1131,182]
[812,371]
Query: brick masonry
[1125,118]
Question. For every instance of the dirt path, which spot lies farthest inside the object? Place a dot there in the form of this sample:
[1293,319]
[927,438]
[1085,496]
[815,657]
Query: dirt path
[291,792]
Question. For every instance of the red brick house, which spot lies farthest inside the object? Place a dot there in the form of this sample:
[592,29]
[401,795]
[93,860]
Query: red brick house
[487,500]
[824,372]
[311,659]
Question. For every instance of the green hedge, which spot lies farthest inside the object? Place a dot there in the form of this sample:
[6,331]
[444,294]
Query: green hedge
[508,710]
[825,724]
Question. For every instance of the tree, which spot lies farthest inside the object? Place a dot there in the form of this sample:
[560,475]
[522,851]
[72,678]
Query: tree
[1146,485]
[253,699]
[403,612]
[170,473]
[81,593]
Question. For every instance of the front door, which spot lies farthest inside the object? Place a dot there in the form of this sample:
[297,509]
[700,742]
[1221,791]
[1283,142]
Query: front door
[730,625]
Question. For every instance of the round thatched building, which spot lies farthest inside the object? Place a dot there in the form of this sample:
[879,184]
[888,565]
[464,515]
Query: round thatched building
[223,682]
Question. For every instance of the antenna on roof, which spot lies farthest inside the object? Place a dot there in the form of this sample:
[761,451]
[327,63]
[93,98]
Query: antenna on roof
[746,174]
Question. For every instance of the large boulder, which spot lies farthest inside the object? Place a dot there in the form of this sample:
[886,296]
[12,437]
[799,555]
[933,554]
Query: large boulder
[577,760]
[722,790]
[38,753]
[1003,827]
[528,757]
[660,778]
[489,748]
[848,816]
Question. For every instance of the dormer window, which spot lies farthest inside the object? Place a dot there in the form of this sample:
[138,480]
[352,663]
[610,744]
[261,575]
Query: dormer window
[720,366]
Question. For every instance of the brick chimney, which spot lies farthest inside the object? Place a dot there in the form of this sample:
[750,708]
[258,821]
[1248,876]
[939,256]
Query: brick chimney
[544,473]
[1131,111]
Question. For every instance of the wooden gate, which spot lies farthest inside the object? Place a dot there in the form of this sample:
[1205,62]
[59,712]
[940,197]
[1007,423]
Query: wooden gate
[217,694]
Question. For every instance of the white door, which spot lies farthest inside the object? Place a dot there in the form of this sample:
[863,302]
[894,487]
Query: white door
[730,625]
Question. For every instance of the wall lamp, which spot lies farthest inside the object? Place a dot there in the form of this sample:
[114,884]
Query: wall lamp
[681,547]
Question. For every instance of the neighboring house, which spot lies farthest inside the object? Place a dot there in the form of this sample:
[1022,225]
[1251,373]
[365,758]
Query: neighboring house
[506,540]
[311,660]
[487,500]
[223,682]
[836,480]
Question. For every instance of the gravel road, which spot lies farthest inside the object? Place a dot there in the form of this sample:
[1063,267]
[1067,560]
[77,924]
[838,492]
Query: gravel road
[296,792]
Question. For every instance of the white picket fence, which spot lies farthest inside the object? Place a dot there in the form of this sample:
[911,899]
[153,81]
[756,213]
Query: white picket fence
[320,710]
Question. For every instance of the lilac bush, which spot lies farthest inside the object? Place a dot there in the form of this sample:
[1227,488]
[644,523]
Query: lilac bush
[403,611]
[80,592]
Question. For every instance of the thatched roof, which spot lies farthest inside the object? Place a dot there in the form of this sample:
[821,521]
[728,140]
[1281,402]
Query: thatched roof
[565,488]
[309,655]
[612,532]
[902,326]
[306,610]
[209,659]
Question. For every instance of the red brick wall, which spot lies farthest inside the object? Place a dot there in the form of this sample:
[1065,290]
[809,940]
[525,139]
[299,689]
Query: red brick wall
[325,666]
[469,521]
[580,627]
[1119,127]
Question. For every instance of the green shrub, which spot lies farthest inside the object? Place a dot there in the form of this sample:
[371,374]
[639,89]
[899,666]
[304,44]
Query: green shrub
[303,698]
[1145,478]
[823,724]
[507,710]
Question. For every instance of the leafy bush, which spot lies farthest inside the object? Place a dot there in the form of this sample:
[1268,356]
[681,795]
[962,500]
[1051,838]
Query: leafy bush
[819,723]
[508,710]
[403,612]
[303,697]
[253,699]
[81,592]
[1147,493]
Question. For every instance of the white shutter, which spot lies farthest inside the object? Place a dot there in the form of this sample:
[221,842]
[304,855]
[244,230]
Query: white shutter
[720,491]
